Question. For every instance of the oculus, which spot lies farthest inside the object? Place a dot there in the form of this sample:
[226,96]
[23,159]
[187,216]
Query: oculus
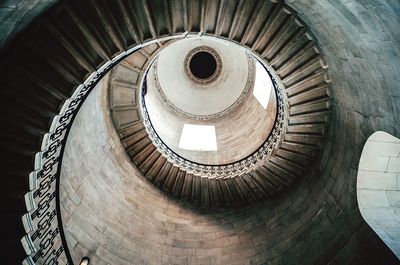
[203,65]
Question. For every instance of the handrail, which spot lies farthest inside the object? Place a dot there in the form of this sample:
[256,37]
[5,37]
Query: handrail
[44,242]
[230,170]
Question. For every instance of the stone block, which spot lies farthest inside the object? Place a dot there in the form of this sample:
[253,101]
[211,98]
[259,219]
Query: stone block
[393,198]
[382,149]
[394,165]
[372,163]
[376,180]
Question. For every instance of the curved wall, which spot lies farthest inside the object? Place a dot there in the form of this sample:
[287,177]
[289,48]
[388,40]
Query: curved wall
[378,187]
[317,221]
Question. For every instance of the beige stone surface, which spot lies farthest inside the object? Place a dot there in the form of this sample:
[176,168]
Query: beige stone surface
[319,221]
[113,215]
[238,134]
[378,192]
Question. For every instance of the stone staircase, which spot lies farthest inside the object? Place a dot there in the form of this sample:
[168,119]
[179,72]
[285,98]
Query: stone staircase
[60,49]
[280,38]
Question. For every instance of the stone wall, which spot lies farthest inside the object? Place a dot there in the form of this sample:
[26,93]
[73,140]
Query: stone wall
[317,221]
[378,187]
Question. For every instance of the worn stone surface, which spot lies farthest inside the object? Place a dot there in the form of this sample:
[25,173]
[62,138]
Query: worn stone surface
[315,222]
[378,193]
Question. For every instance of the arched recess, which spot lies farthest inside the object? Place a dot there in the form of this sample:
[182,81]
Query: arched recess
[378,187]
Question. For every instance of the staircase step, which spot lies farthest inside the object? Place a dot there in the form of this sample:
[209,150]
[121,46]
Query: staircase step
[143,154]
[293,157]
[281,175]
[243,15]
[129,22]
[311,67]
[315,129]
[319,92]
[225,193]
[134,138]
[187,187]
[196,189]
[86,32]
[299,59]
[148,163]
[205,191]
[156,168]
[271,185]
[287,165]
[287,31]
[194,16]
[131,130]
[271,28]
[170,179]
[300,145]
[215,197]
[256,188]
[257,21]
[296,44]
[317,106]
[245,190]
[162,174]
[306,83]
[313,118]
[178,185]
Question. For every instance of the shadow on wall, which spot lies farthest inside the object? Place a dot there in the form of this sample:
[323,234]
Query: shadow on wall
[378,187]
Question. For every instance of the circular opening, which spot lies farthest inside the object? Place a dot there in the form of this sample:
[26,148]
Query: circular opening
[203,65]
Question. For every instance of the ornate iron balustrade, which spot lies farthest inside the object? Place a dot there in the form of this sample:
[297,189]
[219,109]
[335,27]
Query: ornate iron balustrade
[238,168]
[44,242]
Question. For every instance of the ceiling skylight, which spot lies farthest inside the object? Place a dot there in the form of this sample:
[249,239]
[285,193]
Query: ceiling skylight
[262,86]
[198,138]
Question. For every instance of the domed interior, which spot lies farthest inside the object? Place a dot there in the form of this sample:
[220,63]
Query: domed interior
[114,209]
[220,124]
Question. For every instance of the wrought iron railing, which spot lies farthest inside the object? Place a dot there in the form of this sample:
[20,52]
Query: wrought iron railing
[44,242]
[234,169]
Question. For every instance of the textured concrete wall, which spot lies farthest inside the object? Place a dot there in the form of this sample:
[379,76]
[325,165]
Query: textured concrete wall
[378,187]
[116,217]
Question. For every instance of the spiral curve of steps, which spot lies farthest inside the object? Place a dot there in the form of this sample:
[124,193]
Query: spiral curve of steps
[66,45]
[283,42]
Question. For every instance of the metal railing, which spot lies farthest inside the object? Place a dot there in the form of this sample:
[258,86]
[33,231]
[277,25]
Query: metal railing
[234,169]
[44,242]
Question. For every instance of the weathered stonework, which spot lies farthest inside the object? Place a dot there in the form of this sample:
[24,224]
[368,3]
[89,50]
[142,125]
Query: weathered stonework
[316,221]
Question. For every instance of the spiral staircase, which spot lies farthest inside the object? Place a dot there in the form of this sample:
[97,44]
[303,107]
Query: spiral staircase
[52,58]
[308,107]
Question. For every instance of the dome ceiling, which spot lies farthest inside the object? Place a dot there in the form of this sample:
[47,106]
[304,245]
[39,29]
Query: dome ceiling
[233,123]
[203,98]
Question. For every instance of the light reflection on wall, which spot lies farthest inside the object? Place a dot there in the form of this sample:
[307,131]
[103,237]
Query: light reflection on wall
[262,85]
[198,138]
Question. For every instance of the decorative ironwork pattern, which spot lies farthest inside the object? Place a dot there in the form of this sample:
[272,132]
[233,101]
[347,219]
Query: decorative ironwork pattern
[44,242]
[220,171]
[43,221]
[239,100]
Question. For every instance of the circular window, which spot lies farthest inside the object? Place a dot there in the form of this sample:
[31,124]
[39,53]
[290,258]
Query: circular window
[203,65]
